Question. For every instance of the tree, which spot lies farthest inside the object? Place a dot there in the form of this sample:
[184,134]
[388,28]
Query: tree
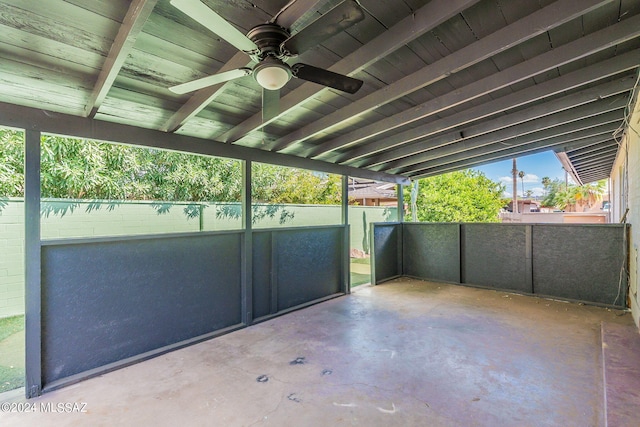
[462,196]
[83,169]
[521,175]
[546,181]
[571,197]
[589,194]
[278,184]
[11,163]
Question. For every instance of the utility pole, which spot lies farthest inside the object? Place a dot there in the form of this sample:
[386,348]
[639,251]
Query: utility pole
[514,172]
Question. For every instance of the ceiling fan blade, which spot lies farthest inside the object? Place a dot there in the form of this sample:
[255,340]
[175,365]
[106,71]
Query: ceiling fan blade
[326,78]
[210,80]
[331,23]
[270,104]
[202,14]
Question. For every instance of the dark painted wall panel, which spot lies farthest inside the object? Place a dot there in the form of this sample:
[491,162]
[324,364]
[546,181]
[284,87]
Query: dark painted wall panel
[386,246]
[495,255]
[432,251]
[579,262]
[261,274]
[107,301]
[308,264]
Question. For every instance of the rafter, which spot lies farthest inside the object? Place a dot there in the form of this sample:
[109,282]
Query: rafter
[397,145]
[134,20]
[547,127]
[587,127]
[423,20]
[585,150]
[534,148]
[604,157]
[500,40]
[421,150]
[576,122]
[569,52]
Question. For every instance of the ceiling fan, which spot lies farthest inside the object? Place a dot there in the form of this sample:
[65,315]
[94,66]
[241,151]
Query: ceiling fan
[271,46]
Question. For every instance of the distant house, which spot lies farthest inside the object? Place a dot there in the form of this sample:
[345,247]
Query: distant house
[372,193]
[531,212]
[525,205]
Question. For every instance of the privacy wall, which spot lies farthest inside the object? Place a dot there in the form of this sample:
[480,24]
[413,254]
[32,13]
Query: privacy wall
[294,266]
[113,301]
[571,261]
[63,219]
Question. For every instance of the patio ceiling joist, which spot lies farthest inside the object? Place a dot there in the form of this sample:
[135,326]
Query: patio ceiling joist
[528,149]
[384,146]
[604,124]
[596,174]
[136,16]
[589,150]
[578,127]
[425,19]
[595,153]
[604,157]
[518,32]
[567,53]
[555,122]
[420,150]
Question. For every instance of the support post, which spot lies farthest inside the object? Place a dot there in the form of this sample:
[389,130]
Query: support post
[400,203]
[346,242]
[33,309]
[399,261]
[247,247]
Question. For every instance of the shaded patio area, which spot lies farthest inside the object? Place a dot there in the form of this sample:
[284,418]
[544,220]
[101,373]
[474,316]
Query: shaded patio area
[406,352]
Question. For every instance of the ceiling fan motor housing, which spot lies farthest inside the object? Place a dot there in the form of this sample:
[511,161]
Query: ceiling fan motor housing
[269,38]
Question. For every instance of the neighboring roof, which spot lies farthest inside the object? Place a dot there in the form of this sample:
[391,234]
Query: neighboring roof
[448,84]
[374,191]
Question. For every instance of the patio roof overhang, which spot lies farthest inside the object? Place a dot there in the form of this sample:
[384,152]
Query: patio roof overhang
[448,84]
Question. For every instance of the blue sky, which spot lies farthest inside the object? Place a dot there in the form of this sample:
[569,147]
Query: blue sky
[535,166]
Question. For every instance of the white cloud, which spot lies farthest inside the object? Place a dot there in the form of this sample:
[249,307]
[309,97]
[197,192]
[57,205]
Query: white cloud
[528,178]
[537,191]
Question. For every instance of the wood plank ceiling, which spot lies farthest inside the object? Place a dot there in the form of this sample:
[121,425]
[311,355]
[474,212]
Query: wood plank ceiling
[448,84]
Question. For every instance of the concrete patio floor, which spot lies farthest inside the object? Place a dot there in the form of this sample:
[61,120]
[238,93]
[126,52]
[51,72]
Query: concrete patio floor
[405,353]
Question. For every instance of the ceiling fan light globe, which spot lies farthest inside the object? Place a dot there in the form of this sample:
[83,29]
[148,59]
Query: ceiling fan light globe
[272,77]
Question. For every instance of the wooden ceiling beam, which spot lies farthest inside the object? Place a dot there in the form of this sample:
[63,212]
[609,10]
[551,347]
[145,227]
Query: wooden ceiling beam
[591,126]
[524,150]
[577,120]
[390,147]
[134,20]
[425,19]
[509,36]
[569,52]
[603,157]
[407,154]
[584,150]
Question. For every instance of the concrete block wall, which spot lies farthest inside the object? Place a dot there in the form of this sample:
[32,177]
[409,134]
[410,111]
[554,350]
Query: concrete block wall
[11,258]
